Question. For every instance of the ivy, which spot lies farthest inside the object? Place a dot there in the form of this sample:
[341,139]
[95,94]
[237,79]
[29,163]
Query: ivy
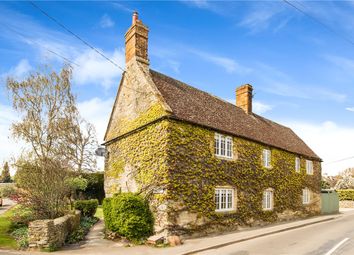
[178,158]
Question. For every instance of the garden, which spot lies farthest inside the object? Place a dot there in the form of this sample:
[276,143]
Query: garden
[83,195]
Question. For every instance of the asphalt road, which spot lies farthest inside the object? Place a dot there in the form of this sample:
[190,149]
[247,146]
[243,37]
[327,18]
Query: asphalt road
[329,238]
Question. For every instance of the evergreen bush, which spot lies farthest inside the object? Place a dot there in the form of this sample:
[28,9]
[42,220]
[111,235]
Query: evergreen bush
[87,207]
[129,216]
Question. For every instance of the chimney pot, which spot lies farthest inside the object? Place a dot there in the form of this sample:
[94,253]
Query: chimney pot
[135,17]
[244,98]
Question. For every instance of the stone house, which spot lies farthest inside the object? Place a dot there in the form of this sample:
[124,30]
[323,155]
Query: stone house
[205,165]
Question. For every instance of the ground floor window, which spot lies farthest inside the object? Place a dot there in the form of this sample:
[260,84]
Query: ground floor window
[267,202]
[224,199]
[306,195]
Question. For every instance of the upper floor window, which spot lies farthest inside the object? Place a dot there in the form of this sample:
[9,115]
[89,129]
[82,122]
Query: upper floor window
[306,195]
[309,167]
[297,164]
[224,199]
[267,203]
[223,145]
[266,157]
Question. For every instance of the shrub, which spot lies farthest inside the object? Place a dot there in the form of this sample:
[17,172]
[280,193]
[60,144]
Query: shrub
[131,216]
[345,194]
[79,234]
[107,212]
[21,217]
[8,191]
[87,207]
[95,186]
[21,236]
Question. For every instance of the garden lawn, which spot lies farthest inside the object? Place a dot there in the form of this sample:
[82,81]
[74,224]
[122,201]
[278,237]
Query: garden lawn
[99,212]
[6,240]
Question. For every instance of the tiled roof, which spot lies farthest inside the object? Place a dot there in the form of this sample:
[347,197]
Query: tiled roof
[196,106]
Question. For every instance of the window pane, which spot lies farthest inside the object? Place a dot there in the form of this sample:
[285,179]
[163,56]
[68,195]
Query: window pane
[222,152]
[229,147]
[217,199]
[223,199]
[217,145]
[264,200]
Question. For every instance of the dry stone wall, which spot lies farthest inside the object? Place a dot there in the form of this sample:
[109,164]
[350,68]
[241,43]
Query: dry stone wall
[52,233]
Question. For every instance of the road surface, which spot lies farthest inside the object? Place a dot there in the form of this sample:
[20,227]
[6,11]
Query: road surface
[329,238]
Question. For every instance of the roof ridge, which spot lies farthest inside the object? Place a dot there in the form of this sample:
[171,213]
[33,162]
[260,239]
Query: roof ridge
[216,97]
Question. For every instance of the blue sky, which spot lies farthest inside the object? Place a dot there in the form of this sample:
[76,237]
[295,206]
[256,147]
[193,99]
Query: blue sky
[302,73]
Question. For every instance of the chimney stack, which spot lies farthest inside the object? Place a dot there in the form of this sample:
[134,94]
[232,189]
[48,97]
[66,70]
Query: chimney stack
[244,98]
[136,41]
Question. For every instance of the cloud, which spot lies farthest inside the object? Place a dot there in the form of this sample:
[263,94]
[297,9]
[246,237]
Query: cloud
[263,16]
[351,109]
[92,68]
[20,71]
[279,83]
[122,7]
[343,63]
[203,4]
[10,148]
[329,141]
[230,65]
[97,111]
[260,108]
[95,69]
[106,21]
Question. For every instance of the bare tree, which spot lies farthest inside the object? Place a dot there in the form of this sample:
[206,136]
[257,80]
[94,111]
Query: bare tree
[82,142]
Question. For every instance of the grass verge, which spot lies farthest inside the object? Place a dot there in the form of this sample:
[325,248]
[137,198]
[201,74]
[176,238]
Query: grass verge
[99,212]
[6,240]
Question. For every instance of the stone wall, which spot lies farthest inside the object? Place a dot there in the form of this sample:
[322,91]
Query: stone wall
[52,233]
[346,204]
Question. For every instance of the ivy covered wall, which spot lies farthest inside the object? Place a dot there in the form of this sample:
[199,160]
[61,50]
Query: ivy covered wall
[174,164]
[194,172]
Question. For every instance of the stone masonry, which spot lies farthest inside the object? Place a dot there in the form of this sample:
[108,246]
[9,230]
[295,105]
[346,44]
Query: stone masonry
[52,233]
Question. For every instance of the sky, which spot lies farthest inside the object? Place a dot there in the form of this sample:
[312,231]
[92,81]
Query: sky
[301,66]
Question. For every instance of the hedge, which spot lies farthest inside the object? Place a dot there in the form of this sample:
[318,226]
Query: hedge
[129,215]
[95,186]
[87,207]
[345,194]
[107,212]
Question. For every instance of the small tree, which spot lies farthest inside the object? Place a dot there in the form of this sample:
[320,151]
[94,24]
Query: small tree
[42,187]
[50,123]
[5,175]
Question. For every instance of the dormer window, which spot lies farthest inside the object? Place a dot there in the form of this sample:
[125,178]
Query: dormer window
[223,146]
[266,157]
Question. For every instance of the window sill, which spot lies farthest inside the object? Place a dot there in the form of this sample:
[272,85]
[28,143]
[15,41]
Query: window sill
[225,158]
[225,211]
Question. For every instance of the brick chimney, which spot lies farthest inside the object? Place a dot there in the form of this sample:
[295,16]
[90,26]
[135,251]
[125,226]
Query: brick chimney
[244,98]
[136,41]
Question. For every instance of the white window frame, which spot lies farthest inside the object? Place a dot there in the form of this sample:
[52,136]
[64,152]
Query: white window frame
[268,199]
[309,167]
[223,146]
[266,158]
[224,199]
[306,196]
[297,164]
